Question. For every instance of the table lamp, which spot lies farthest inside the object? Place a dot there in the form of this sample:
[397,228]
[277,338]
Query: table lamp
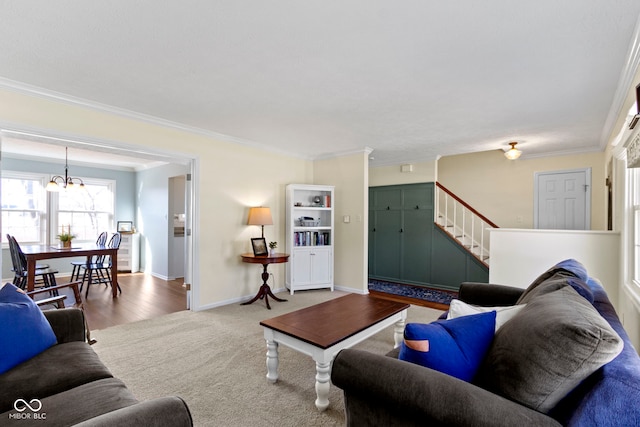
[260,216]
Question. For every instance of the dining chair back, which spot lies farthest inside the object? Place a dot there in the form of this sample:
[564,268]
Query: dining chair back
[102,268]
[19,262]
[78,265]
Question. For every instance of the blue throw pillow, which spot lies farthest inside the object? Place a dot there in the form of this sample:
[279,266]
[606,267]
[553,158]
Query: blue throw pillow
[24,331]
[455,347]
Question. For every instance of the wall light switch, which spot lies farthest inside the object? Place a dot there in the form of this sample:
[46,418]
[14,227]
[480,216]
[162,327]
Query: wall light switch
[346,219]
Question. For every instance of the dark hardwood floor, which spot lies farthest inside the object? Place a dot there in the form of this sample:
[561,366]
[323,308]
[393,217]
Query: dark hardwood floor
[143,297]
[407,300]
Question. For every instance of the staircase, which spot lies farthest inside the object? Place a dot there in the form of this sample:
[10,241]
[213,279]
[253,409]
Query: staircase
[464,224]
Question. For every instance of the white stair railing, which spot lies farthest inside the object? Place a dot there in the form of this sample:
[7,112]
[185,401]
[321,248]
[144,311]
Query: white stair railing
[466,225]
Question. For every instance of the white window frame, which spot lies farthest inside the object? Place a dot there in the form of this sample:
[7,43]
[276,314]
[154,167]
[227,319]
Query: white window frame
[54,208]
[44,211]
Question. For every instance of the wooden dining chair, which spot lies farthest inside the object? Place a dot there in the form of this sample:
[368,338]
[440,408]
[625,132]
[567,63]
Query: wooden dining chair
[19,262]
[101,269]
[78,265]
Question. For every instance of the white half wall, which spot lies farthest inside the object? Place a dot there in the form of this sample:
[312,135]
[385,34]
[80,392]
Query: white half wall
[519,256]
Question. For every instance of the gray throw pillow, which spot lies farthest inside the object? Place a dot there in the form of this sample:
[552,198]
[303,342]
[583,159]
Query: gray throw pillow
[554,281]
[547,349]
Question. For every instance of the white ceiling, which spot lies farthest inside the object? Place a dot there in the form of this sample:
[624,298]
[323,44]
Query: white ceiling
[411,79]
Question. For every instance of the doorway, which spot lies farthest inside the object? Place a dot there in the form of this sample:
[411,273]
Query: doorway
[88,151]
[562,200]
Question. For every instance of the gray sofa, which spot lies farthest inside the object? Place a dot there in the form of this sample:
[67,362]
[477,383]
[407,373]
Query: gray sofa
[382,390]
[73,387]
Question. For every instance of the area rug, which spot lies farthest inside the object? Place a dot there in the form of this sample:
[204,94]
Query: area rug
[216,361]
[413,291]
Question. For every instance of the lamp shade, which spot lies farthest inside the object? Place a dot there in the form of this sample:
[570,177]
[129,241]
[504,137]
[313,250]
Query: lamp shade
[260,216]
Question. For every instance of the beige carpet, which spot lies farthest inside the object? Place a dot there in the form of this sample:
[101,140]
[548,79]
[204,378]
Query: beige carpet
[215,360]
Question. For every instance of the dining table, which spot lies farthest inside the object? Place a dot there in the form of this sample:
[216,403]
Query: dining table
[34,253]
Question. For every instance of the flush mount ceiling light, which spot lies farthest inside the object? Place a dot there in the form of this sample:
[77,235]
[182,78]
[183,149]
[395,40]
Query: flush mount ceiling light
[512,153]
[68,183]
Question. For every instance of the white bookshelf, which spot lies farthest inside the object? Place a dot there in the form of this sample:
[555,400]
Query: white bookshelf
[309,236]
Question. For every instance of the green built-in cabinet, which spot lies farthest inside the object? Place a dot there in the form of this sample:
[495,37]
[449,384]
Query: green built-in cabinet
[405,246]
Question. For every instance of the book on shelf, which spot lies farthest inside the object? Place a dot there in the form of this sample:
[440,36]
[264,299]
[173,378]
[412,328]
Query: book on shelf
[311,238]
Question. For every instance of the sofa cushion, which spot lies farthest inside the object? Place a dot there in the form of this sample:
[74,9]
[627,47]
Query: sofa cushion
[547,349]
[566,273]
[81,403]
[59,368]
[459,308]
[455,347]
[24,331]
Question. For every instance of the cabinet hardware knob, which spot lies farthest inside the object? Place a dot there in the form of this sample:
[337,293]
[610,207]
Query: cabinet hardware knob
[402,230]
[417,207]
[388,208]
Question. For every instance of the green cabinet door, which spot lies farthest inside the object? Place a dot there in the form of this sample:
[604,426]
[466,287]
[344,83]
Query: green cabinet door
[417,226]
[387,242]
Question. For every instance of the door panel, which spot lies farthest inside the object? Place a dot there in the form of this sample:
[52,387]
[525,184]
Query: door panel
[321,265]
[387,248]
[416,248]
[562,200]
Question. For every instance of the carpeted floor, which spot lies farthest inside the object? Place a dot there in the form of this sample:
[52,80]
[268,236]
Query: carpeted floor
[215,360]
[413,291]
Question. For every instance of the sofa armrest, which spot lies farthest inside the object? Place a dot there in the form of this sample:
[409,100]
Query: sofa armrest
[489,295]
[164,411]
[381,391]
[67,323]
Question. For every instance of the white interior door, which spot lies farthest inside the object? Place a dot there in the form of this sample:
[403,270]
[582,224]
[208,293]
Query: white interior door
[563,200]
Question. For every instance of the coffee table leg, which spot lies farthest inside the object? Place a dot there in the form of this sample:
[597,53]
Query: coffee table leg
[272,361]
[398,330]
[323,371]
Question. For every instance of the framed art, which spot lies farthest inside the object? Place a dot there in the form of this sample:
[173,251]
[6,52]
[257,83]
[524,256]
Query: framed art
[125,226]
[259,245]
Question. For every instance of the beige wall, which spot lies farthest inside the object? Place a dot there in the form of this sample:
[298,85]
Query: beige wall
[502,190]
[349,175]
[231,179]
[393,175]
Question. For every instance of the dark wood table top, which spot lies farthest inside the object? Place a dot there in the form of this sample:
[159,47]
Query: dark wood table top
[51,251]
[328,323]
[265,259]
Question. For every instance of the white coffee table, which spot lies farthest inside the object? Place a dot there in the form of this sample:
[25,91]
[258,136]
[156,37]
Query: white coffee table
[322,330]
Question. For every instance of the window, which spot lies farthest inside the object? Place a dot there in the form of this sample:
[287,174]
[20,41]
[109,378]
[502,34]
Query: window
[88,212]
[25,214]
[24,207]
[634,195]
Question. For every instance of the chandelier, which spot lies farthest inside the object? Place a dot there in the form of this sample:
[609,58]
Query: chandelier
[59,182]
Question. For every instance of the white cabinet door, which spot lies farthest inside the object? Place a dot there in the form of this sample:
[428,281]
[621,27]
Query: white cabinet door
[320,265]
[301,267]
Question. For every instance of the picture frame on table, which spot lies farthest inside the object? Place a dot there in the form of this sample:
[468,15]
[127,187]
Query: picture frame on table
[259,245]
[125,227]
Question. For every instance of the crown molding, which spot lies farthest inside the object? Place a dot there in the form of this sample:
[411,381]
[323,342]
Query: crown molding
[624,83]
[31,90]
[365,150]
